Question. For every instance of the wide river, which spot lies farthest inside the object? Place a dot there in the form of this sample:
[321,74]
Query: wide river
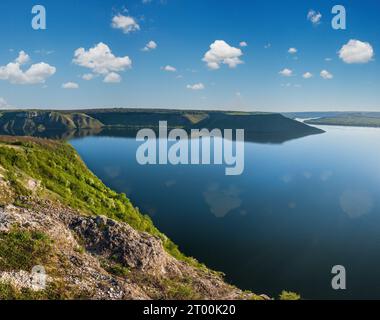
[298,209]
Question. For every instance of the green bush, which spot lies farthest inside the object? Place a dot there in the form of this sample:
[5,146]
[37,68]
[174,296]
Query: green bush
[288,295]
[118,270]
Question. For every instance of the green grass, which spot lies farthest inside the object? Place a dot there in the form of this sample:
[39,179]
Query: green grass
[287,295]
[181,288]
[54,291]
[8,292]
[61,171]
[176,290]
[22,250]
[118,270]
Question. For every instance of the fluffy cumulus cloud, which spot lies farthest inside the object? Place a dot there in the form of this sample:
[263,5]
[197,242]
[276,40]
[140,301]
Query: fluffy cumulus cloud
[151,45]
[125,23]
[326,75]
[22,58]
[70,85]
[314,17]
[88,76]
[243,44]
[307,75]
[222,53]
[100,60]
[169,68]
[36,73]
[292,50]
[356,51]
[197,86]
[112,77]
[286,72]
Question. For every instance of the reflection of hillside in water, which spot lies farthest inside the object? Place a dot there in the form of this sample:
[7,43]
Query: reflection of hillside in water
[53,134]
[258,137]
[250,136]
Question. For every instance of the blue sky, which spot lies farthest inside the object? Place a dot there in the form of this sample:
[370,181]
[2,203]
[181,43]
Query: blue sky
[263,75]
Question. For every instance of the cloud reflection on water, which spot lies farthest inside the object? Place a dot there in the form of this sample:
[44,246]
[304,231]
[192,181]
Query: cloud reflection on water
[356,203]
[222,200]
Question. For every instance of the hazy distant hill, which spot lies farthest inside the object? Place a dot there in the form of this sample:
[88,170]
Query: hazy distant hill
[354,119]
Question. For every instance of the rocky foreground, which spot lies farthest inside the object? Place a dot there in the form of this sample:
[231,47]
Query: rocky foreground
[87,251]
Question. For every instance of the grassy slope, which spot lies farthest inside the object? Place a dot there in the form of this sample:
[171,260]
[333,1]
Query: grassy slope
[59,168]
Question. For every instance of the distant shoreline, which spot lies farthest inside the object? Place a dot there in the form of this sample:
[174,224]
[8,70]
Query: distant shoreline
[273,127]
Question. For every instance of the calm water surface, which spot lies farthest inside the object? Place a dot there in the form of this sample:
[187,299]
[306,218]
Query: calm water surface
[298,209]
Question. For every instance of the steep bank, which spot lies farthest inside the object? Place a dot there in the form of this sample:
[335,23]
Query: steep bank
[91,241]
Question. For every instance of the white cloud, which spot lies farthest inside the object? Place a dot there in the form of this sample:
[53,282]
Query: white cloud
[286,72]
[169,68]
[3,103]
[70,85]
[326,75]
[314,16]
[307,75]
[222,53]
[151,45]
[22,58]
[356,51]
[292,50]
[126,23]
[112,77]
[243,44]
[88,76]
[197,86]
[37,73]
[101,60]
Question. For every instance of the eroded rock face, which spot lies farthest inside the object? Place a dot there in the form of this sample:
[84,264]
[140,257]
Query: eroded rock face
[77,270]
[133,249]
[105,242]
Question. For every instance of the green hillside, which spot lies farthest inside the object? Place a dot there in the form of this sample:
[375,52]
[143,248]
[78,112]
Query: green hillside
[270,127]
